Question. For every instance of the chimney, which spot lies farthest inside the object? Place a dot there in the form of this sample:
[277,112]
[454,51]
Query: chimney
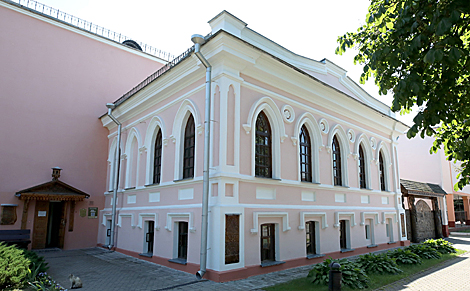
[56,173]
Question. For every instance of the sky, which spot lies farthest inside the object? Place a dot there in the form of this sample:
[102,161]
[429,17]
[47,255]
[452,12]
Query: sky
[309,27]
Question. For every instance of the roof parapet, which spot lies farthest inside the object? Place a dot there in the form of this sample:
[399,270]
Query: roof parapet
[228,22]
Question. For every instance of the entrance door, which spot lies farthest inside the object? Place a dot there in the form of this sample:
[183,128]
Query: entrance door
[310,230]
[55,225]
[41,214]
[342,234]
[149,236]
[182,240]
[267,243]
[49,225]
[108,232]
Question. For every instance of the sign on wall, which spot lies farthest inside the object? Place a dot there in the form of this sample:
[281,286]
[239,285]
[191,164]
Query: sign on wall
[92,212]
[82,212]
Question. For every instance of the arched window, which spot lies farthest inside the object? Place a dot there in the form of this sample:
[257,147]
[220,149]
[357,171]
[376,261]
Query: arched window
[157,162]
[382,172]
[305,155]
[189,144]
[263,150]
[338,181]
[362,168]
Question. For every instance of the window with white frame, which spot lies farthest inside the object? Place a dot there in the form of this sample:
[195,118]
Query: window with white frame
[188,150]
[263,147]
[362,168]
[305,145]
[382,172]
[157,158]
[336,154]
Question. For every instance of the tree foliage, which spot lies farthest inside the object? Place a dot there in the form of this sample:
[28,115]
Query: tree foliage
[419,50]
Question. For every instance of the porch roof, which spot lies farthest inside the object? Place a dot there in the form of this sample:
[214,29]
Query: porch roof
[52,190]
[409,187]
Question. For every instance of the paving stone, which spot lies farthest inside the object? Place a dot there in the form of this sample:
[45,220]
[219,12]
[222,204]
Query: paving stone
[104,270]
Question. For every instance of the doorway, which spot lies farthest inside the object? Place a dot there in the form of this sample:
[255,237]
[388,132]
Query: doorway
[49,224]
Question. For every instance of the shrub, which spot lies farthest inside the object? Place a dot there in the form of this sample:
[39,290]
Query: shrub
[353,276]
[14,267]
[36,261]
[380,264]
[44,282]
[404,257]
[424,251]
[441,245]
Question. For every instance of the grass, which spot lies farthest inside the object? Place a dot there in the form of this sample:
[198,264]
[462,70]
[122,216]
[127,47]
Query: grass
[467,230]
[377,281]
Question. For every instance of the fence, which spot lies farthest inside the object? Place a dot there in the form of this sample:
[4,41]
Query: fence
[86,25]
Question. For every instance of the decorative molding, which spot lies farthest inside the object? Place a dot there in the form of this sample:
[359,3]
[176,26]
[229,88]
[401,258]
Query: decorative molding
[123,156]
[352,216]
[173,138]
[121,215]
[283,215]
[171,216]
[142,149]
[104,217]
[373,143]
[324,127]
[165,141]
[322,215]
[351,136]
[288,113]
[155,218]
[375,214]
[389,213]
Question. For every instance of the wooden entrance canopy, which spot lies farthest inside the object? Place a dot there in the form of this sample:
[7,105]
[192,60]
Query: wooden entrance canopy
[54,190]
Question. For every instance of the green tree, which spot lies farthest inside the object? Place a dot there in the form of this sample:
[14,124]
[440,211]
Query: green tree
[419,50]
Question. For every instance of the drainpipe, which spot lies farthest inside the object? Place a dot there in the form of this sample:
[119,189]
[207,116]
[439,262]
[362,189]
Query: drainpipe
[111,106]
[198,40]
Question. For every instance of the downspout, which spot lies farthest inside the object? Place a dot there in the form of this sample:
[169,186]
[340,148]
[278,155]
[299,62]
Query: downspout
[198,40]
[111,106]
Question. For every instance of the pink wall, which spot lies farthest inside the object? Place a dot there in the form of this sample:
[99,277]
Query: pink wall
[57,83]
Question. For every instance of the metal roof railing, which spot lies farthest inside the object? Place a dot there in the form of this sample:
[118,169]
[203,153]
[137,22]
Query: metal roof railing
[86,25]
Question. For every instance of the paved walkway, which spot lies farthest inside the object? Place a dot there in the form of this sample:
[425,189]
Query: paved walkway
[104,270]
[452,275]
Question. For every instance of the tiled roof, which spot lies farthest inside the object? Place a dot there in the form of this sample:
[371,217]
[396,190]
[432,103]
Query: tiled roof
[414,187]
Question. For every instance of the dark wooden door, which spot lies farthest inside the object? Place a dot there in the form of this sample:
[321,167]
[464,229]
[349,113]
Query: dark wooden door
[342,234]
[267,242]
[149,236]
[182,240]
[41,214]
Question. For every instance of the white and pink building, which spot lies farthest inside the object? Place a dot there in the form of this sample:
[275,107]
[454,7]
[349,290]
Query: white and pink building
[303,162]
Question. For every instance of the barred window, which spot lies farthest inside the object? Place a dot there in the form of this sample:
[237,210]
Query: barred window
[189,144]
[263,151]
[362,170]
[305,155]
[336,162]
[157,158]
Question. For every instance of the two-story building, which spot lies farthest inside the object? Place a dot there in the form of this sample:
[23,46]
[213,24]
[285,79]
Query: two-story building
[303,162]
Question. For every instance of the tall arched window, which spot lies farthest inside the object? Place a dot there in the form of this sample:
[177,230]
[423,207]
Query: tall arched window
[189,144]
[382,172]
[157,162]
[362,168]
[305,155]
[338,181]
[263,150]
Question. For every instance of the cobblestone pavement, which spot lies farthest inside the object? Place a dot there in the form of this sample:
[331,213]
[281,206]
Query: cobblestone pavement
[103,270]
[449,276]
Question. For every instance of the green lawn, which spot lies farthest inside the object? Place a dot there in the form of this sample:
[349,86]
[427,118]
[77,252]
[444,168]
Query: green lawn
[467,230]
[376,280]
